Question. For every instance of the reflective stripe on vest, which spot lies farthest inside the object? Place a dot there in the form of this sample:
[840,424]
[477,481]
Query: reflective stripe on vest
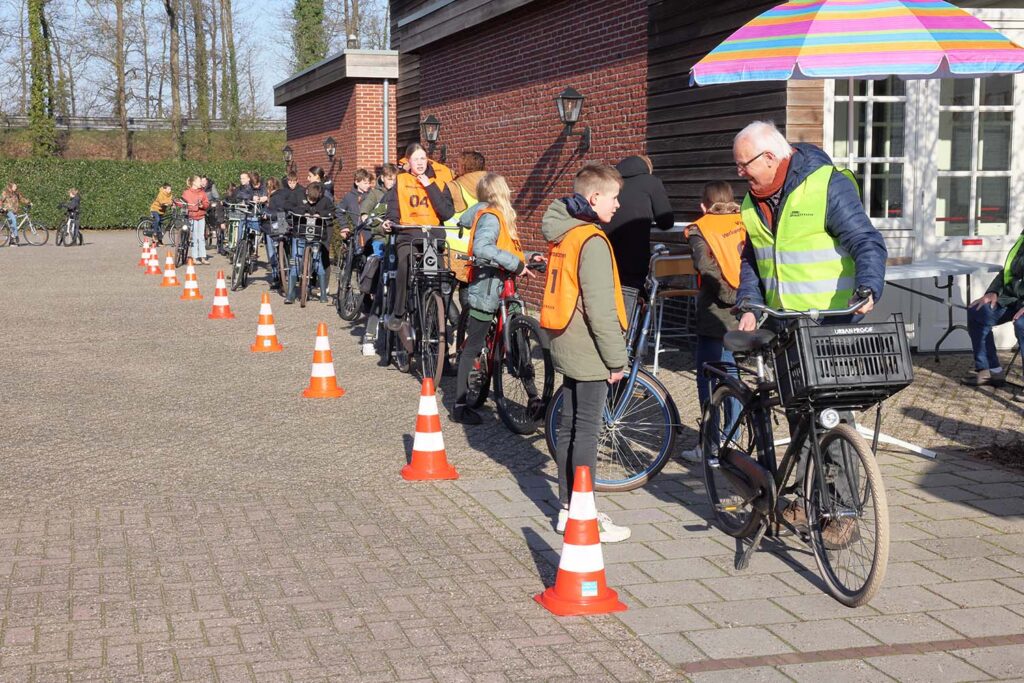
[413,202]
[562,286]
[1007,275]
[505,240]
[801,266]
[725,236]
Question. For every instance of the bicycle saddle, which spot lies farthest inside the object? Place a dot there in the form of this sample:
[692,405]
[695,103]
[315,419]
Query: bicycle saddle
[748,342]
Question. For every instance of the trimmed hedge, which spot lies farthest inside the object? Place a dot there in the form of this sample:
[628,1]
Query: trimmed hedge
[115,194]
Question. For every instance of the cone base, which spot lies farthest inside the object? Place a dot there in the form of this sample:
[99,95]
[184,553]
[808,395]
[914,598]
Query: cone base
[173,283]
[323,392]
[221,315]
[260,348]
[445,471]
[559,606]
[189,297]
[154,272]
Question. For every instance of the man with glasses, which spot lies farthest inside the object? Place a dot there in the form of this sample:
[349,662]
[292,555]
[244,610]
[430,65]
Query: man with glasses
[810,244]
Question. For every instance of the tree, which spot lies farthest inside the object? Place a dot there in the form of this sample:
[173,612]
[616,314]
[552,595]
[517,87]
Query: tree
[229,76]
[202,76]
[308,34]
[42,128]
[171,8]
[120,94]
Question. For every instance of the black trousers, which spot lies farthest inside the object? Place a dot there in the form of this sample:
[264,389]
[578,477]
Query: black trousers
[404,245]
[476,336]
[578,429]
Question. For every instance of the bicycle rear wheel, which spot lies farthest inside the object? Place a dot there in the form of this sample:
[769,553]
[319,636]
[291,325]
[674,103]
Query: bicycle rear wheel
[848,518]
[35,234]
[727,488]
[240,264]
[524,376]
[634,448]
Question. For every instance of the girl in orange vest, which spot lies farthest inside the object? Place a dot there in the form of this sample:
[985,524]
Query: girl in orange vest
[493,239]
[717,238]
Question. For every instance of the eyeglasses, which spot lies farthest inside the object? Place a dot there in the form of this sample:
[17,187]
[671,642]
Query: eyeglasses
[742,165]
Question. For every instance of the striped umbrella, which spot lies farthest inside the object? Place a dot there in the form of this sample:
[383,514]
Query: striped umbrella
[809,39]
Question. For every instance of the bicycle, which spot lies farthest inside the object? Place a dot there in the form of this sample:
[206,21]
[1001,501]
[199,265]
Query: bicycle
[639,420]
[234,213]
[69,232]
[312,229]
[514,356]
[35,234]
[818,371]
[278,233]
[244,258]
[349,297]
[171,224]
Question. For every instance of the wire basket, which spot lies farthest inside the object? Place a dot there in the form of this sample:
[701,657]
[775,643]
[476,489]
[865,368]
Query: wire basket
[843,366]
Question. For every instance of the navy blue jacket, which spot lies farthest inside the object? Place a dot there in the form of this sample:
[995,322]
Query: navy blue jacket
[845,220]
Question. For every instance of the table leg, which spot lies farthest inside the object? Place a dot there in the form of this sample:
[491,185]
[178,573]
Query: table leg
[950,327]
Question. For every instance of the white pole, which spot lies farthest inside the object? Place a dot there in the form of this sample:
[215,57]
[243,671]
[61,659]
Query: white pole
[385,107]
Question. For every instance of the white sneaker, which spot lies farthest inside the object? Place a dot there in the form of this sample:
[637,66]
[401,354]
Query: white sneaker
[692,455]
[369,350]
[563,519]
[610,533]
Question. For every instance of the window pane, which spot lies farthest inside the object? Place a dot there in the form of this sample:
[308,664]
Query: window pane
[997,91]
[952,207]
[887,129]
[954,149]
[841,136]
[860,87]
[993,206]
[886,191]
[891,87]
[994,145]
[957,92]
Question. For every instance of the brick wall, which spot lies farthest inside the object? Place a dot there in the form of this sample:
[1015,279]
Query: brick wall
[494,92]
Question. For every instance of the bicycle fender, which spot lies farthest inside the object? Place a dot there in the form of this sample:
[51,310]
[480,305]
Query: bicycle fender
[723,377]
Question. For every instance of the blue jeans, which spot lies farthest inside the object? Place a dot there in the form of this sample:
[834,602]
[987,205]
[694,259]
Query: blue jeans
[298,252]
[709,350]
[12,218]
[155,218]
[198,228]
[980,322]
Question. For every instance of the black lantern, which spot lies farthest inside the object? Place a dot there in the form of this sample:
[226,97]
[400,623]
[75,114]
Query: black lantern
[287,154]
[570,105]
[330,148]
[430,128]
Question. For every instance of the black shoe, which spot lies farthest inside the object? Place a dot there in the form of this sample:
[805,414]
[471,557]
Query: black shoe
[393,322]
[465,415]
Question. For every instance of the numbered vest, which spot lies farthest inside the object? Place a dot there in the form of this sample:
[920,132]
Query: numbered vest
[562,286]
[801,266]
[725,236]
[505,240]
[1007,275]
[414,205]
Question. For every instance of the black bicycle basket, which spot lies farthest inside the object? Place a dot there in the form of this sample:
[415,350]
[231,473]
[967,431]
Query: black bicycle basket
[313,229]
[278,225]
[850,366]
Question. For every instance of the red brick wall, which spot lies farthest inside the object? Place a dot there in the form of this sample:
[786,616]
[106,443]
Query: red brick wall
[494,92]
[351,113]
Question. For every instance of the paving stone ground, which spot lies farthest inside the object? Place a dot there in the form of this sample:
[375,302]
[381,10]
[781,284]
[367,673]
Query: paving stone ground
[171,509]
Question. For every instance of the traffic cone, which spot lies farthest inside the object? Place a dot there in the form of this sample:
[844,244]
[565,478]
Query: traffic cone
[221,308]
[144,257]
[191,292]
[266,334]
[429,460]
[580,586]
[153,268]
[170,277]
[322,382]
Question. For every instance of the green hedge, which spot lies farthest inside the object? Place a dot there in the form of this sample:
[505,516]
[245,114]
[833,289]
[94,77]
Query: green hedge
[114,193]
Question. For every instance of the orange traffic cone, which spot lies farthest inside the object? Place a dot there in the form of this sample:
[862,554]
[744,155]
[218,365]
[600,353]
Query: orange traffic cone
[170,277]
[221,308]
[191,291]
[322,381]
[153,268]
[580,586]
[429,460]
[144,257]
[266,334]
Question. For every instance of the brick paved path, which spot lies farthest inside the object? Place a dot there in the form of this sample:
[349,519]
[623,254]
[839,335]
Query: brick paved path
[171,509]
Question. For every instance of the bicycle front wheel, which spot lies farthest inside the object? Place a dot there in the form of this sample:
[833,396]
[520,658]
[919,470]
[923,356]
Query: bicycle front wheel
[181,252]
[725,425]
[524,376]
[240,264]
[59,239]
[5,233]
[433,340]
[282,266]
[348,298]
[635,447]
[848,516]
[36,234]
[307,263]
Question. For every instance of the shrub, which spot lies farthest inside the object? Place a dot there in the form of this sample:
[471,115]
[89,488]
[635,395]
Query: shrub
[114,193]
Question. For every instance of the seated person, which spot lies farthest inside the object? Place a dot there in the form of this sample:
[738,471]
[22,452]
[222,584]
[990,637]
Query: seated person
[373,205]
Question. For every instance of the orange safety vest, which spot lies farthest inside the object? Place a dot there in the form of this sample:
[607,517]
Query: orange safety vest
[725,235]
[505,240]
[414,203]
[562,286]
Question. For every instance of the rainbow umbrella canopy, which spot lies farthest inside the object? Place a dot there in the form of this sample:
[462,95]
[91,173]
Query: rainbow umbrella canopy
[808,39]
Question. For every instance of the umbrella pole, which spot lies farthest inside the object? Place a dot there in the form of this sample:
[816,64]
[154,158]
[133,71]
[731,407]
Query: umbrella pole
[850,132]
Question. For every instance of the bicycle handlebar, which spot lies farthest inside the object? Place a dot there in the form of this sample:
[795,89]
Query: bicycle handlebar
[862,294]
[539,266]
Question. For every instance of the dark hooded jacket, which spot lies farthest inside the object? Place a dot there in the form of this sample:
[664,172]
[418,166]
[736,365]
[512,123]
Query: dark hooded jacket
[642,202]
[845,220]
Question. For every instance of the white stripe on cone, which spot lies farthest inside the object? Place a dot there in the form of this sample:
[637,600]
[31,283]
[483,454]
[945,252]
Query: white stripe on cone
[220,301]
[581,558]
[265,309]
[323,370]
[582,506]
[428,405]
[322,344]
[265,331]
[428,442]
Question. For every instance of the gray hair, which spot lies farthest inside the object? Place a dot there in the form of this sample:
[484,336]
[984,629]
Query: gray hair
[767,137]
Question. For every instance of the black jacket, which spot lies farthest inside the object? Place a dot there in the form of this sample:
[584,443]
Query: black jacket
[348,208]
[325,208]
[642,202]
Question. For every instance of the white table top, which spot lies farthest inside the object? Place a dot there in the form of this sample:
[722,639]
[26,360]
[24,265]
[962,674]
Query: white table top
[934,267]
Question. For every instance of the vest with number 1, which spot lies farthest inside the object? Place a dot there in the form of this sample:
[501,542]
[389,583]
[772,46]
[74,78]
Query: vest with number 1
[562,287]
[505,241]
[413,201]
[801,265]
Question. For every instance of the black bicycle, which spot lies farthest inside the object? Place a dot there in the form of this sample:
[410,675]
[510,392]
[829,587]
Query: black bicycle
[349,297]
[69,232]
[279,230]
[383,300]
[820,373]
[312,229]
[244,258]
[170,225]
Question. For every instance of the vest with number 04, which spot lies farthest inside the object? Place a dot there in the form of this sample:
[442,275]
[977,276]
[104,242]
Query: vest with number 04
[414,206]
[505,240]
[562,287]
[801,266]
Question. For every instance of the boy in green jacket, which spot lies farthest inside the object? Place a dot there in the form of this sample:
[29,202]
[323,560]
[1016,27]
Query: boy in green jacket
[584,314]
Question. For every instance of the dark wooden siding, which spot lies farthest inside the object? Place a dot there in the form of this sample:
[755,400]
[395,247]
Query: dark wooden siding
[690,129]
[407,109]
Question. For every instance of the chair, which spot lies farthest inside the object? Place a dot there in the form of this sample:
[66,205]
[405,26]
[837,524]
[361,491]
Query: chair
[664,267]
